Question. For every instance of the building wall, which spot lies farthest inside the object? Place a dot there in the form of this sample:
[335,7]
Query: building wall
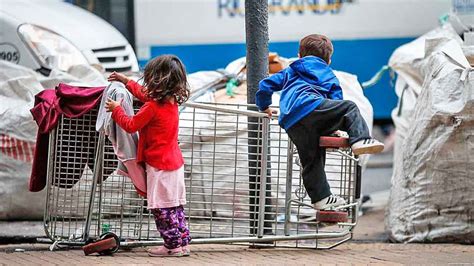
[208,34]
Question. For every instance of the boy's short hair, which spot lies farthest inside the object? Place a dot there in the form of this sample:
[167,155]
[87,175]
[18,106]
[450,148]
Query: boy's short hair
[317,45]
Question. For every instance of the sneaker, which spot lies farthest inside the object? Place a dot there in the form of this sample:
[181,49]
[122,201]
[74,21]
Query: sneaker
[162,251]
[367,146]
[329,202]
[186,251]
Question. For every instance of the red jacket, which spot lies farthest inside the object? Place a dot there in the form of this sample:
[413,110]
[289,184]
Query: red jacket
[157,125]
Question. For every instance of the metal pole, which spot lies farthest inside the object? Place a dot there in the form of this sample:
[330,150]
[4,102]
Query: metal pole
[49,181]
[97,175]
[289,183]
[262,199]
[256,31]
[228,240]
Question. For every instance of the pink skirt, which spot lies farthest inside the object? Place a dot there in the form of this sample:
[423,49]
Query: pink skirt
[165,189]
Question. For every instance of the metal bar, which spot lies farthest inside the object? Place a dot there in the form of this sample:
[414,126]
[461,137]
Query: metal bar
[235,174]
[355,217]
[300,203]
[289,179]
[49,176]
[337,243]
[222,240]
[215,108]
[99,208]
[56,175]
[228,240]
[354,158]
[99,159]
[263,176]
[191,169]
[350,177]
[277,201]
[358,181]
[213,174]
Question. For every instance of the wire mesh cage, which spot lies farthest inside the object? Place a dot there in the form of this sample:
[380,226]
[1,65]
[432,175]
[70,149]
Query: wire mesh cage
[242,177]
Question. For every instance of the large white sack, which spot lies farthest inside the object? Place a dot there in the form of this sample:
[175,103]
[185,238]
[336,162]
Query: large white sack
[432,196]
[407,62]
[206,168]
[18,86]
[407,59]
[352,90]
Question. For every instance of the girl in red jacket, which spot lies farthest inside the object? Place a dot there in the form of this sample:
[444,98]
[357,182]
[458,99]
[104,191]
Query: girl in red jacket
[164,88]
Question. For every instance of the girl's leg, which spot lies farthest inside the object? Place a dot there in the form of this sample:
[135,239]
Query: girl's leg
[183,228]
[167,224]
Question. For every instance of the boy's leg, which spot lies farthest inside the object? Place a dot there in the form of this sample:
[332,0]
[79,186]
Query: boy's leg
[346,116]
[312,158]
[332,115]
[328,117]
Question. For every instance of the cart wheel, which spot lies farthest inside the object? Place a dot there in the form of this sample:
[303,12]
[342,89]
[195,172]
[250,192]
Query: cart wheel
[107,244]
[111,251]
[331,216]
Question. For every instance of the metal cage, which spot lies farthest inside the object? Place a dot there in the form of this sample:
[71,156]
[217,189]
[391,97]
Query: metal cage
[242,178]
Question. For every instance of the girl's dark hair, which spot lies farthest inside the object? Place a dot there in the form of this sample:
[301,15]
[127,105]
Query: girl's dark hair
[165,77]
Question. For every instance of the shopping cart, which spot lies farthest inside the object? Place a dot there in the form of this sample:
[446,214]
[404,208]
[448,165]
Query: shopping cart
[242,178]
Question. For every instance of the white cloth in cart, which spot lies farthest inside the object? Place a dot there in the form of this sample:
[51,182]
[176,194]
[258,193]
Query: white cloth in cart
[432,195]
[124,144]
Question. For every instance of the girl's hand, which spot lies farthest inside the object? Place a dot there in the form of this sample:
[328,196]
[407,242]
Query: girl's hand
[118,77]
[110,104]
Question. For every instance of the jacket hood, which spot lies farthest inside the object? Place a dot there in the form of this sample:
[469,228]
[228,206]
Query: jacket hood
[315,71]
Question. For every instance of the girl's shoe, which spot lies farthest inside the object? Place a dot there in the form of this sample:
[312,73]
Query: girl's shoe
[329,202]
[186,251]
[162,251]
[367,146]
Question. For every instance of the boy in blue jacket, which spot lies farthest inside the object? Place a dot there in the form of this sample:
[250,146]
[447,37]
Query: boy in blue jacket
[311,106]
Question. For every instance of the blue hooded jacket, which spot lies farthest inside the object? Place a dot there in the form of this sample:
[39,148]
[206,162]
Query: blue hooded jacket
[303,85]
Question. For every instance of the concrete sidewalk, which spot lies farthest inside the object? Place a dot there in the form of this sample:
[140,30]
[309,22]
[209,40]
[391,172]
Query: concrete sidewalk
[350,253]
[369,246]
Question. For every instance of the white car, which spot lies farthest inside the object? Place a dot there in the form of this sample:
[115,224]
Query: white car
[45,35]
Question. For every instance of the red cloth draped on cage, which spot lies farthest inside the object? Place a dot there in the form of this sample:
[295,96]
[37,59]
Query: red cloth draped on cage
[67,100]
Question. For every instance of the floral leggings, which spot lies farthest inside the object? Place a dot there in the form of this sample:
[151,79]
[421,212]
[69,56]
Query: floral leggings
[171,223]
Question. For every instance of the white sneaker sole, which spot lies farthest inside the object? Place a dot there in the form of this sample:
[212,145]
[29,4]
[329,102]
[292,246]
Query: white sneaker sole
[330,206]
[372,149]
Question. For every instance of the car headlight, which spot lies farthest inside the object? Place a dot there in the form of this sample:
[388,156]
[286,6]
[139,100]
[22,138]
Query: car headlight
[51,49]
